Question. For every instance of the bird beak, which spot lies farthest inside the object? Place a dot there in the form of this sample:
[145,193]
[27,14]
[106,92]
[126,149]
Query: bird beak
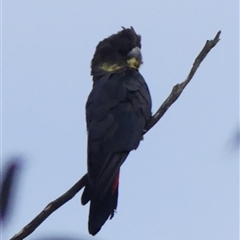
[136,53]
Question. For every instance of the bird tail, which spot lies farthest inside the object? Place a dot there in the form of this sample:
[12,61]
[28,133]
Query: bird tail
[103,207]
[104,194]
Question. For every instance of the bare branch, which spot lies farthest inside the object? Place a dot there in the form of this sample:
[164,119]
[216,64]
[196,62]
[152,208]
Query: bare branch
[50,208]
[176,92]
[177,89]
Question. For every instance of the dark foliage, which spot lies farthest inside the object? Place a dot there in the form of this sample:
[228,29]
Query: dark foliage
[8,184]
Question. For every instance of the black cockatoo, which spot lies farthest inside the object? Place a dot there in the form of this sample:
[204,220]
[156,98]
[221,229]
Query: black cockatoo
[117,110]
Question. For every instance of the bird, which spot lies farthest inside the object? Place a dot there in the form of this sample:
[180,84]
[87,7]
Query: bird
[117,111]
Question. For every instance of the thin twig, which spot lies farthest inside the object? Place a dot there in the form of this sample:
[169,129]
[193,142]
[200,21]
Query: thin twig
[176,92]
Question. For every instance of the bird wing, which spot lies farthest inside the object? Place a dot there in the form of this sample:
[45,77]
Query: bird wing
[116,112]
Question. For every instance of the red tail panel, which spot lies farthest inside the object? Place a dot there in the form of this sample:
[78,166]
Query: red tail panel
[115,183]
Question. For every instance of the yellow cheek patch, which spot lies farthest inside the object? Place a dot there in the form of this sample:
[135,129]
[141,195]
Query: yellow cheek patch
[133,63]
[110,67]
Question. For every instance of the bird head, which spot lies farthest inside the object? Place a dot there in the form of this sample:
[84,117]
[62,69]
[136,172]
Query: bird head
[120,50]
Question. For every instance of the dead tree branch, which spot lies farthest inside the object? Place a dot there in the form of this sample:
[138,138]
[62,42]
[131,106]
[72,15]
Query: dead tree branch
[50,208]
[176,92]
[177,89]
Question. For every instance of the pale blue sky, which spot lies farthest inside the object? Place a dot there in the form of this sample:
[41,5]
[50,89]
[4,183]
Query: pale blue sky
[185,186]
